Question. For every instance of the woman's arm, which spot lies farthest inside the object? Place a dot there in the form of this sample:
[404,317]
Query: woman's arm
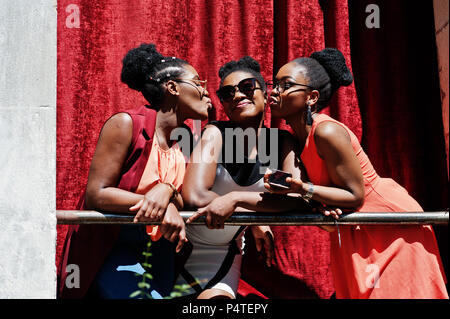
[201,170]
[290,163]
[104,173]
[334,147]
[220,208]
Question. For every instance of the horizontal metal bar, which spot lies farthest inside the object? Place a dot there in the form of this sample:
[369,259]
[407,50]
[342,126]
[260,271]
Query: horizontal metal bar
[67,217]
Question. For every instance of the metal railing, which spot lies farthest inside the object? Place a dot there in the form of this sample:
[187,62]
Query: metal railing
[67,217]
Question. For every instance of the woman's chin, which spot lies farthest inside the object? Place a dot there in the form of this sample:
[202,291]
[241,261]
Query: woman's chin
[203,117]
[275,111]
[243,116]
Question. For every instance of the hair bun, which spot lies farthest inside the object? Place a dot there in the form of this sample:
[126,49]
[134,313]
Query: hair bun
[333,62]
[138,64]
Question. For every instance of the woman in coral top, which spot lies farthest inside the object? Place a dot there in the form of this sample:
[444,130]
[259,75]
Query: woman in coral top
[367,261]
[137,169]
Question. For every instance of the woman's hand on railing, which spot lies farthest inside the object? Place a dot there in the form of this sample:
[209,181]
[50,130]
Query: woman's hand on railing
[154,204]
[328,211]
[173,227]
[264,242]
[216,212]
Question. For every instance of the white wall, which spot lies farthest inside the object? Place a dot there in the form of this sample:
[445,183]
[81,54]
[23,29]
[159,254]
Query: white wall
[27,148]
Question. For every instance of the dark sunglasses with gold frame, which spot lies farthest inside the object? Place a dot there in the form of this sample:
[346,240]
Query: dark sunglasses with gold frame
[246,86]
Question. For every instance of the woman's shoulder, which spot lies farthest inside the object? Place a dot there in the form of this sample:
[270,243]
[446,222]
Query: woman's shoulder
[127,116]
[128,124]
[119,121]
[215,129]
[326,126]
[329,131]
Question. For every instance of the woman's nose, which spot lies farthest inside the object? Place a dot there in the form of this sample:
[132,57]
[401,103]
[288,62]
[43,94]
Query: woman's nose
[238,94]
[274,91]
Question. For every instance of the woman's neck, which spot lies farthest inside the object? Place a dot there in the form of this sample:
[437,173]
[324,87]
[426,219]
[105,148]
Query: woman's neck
[165,123]
[256,126]
[298,124]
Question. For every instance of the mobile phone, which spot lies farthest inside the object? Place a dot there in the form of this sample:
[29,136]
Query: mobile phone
[278,179]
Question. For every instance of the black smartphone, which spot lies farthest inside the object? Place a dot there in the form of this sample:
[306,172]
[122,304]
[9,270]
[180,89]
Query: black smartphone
[278,179]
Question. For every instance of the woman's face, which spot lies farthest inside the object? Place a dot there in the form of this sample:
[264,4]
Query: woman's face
[288,95]
[193,101]
[247,106]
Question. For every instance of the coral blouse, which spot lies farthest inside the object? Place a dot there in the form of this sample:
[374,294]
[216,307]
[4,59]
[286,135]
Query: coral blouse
[163,166]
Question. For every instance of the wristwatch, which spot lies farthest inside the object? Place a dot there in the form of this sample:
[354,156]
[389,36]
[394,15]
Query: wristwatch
[309,193]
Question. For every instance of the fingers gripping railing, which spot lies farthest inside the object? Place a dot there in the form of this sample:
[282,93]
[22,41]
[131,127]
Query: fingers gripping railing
[67,217]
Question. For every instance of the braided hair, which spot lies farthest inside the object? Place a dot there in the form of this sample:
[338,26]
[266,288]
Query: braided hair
[247,64]
[326,71]
[146,70]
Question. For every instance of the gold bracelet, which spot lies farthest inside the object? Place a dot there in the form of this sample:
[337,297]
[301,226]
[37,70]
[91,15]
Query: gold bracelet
[174,190]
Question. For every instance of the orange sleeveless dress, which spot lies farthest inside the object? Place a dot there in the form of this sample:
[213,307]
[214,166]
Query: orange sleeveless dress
[163,166]
[379,262]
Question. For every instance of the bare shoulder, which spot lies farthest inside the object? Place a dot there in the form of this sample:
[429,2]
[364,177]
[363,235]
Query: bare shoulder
[118,127]
[330,132]
[212,133]
[331,139]
[211,129]
[120,121]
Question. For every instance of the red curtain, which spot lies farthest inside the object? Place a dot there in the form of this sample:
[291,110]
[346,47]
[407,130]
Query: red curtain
[210,33]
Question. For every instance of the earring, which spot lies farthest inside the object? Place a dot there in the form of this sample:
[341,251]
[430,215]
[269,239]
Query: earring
[309,119]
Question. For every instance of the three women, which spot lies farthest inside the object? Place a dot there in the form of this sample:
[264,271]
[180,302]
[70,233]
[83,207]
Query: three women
[136,168]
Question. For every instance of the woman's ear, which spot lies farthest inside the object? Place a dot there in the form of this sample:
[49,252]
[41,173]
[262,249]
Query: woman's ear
[313,97]
[172,87]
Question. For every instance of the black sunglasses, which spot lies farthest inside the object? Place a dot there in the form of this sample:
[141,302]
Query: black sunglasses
[285,85]
[247,86]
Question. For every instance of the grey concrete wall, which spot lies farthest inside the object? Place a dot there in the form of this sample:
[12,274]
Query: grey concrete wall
[27,148]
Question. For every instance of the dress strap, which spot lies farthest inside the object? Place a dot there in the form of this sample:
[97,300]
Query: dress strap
[233,250]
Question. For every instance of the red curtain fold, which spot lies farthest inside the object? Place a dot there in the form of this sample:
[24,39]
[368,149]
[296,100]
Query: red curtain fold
[210,33]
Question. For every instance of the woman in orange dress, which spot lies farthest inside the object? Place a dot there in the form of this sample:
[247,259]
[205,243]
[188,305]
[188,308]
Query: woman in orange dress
[367,261]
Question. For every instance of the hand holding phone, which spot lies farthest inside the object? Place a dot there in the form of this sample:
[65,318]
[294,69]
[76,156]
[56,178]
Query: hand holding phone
[277,179]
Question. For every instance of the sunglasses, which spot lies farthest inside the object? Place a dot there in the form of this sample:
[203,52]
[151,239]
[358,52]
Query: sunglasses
[200,85]
[285,85]
[247,87]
